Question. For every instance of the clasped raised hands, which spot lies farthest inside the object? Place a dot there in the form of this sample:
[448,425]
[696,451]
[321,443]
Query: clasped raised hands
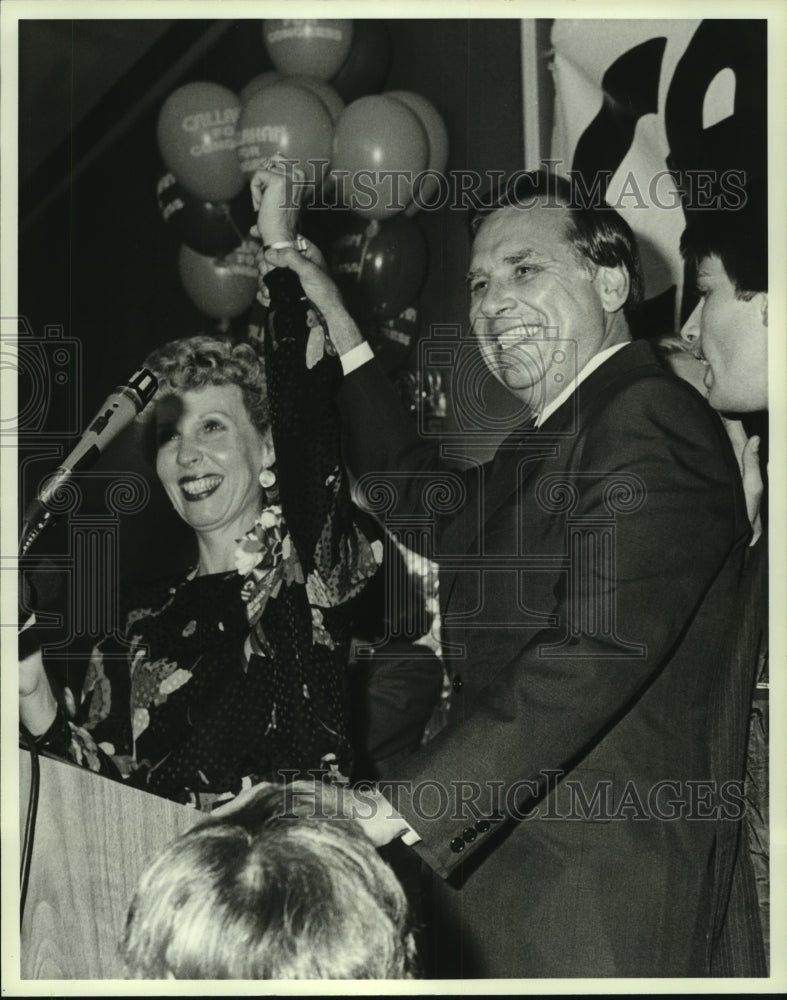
[276,190]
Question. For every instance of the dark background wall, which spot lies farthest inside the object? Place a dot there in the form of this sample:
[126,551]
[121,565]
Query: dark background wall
[95,257]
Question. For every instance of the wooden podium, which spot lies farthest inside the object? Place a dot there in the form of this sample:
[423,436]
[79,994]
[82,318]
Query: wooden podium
[93,838]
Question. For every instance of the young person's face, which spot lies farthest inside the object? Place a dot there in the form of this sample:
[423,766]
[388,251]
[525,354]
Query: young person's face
[732,335]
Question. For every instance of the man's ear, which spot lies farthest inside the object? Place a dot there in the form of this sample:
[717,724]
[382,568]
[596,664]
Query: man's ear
[613,285]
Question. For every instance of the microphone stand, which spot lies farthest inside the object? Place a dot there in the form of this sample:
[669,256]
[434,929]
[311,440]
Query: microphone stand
[119,408]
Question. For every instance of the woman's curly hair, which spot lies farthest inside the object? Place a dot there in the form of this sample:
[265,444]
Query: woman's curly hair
[194,362]
[202,360]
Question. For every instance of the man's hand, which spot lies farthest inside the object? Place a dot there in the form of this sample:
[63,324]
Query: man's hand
[752,484]
[747,451]
[368,807]
[319,800]
[320,289]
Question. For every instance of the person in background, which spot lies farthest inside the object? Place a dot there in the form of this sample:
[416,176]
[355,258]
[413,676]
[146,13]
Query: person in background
[727,253]
[681,357]
[257,892]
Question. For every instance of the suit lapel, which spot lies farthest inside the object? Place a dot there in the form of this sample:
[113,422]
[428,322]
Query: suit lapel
[521,455]
[568,418]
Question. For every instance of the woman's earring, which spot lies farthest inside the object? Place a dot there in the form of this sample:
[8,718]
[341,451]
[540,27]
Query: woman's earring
[267,478]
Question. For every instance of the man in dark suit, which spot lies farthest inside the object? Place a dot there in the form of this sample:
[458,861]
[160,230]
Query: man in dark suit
[574,804]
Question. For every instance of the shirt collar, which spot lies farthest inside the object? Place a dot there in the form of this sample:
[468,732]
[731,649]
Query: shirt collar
[591,366]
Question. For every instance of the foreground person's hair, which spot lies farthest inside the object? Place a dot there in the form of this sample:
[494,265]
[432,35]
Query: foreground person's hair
[263,895]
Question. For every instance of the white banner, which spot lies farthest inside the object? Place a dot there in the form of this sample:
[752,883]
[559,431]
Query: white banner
[620,116]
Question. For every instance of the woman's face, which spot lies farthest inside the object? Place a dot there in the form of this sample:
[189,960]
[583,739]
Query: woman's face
[209,458]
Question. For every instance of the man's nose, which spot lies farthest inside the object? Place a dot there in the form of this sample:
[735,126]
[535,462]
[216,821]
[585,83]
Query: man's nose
[690,331]
[497,300]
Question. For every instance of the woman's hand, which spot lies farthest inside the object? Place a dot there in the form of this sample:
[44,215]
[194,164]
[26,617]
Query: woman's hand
[276,195]
[37,705]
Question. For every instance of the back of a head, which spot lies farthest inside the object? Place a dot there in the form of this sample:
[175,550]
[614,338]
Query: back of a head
[265,895]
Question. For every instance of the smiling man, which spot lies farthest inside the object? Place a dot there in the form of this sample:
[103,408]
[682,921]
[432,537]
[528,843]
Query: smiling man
[521,290]
[581,806]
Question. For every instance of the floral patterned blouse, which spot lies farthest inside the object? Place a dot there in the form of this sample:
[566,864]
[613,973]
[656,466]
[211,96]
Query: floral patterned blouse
[191,704]
[170,705]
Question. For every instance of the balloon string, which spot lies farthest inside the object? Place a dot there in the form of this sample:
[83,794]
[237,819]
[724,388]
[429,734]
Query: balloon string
[233,223]
[368,235]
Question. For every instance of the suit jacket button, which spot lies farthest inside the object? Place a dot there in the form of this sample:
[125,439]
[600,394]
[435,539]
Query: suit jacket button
[457,845]
[469,835]
[458,683]
[482,825]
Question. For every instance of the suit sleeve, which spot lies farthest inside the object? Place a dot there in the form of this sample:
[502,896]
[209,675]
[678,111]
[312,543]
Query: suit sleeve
[678,518]
[379,436]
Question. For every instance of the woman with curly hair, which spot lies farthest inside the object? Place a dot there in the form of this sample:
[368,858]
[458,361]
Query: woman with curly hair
[232,671]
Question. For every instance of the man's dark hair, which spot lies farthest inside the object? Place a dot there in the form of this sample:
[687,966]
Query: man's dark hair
[596,231]
[737,236]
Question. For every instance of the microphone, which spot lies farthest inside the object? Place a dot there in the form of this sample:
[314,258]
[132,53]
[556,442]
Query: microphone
[119,409]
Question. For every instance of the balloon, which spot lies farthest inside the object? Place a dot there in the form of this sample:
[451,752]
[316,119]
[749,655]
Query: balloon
[196,136]
[222,287]
[373,135]
[324,91]
[366,68]
[259,82]
[317,46]
[211,228]
[392,340]
[436,133]
[287,119]
[378,266]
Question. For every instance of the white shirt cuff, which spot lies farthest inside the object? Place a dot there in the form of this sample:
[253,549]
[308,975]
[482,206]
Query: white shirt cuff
[356,357]
[410,837]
